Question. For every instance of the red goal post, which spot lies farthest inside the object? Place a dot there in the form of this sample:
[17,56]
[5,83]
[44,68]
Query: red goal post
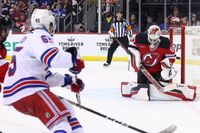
[189,39]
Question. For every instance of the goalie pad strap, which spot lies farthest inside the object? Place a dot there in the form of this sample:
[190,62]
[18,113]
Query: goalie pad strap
[184,92]
[136,91]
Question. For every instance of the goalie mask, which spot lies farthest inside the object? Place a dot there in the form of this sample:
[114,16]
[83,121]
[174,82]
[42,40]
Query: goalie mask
[154,36]
[42,18]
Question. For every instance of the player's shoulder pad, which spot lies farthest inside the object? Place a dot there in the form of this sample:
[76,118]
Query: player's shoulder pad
[141,38]
[164,42]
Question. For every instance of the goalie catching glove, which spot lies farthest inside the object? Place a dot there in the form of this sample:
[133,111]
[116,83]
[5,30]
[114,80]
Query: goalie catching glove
[78,64]
[76,85]
[168,72]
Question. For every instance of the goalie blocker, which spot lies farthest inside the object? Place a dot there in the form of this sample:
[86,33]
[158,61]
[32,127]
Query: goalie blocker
[147,92]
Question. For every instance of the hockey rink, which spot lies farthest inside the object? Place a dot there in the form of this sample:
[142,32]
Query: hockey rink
[102,94]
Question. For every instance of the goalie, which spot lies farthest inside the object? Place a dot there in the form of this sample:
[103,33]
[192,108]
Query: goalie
[155,53]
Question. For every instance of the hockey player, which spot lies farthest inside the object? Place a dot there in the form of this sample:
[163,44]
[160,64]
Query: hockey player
[3,53]
[156,54]
[28,79]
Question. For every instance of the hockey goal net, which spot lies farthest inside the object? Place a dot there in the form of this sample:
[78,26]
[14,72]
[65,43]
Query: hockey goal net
[186,40]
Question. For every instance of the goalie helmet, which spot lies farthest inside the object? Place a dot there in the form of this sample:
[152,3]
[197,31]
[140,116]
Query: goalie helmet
[42,18]
[154,36]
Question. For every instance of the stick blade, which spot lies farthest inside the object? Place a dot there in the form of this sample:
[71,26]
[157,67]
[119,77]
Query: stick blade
[169,129]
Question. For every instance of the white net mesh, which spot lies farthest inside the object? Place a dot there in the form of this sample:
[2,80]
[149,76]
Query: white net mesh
[192,54]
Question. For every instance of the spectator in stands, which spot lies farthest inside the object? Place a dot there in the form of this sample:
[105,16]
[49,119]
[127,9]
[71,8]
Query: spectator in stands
[48,7]
[33,7]
[22,6]
[26,26]
[149,22]
[107,20]
[5,22]
[184,21]
[41,3]
[174,18]
[109,6]
[60,13]
[45,2]
[74,4]
[35,2]
[162,25]
[5,8]
[53,6]
[133,23]
[111,1]
[5,18]
[69,8]
[20,22]
[14,14]
[58,10]
[79,27]
[194,21]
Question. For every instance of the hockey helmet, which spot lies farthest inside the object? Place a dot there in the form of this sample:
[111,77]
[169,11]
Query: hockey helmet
[42,18]
[154,34]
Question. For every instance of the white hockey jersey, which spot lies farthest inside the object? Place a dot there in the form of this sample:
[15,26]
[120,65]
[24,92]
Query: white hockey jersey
[28,70]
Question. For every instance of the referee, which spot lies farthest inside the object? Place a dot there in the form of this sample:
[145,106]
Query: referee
[119,29]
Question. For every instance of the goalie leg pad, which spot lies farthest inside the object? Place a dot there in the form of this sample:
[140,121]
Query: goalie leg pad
[182,91]
[134,90]
[173,92]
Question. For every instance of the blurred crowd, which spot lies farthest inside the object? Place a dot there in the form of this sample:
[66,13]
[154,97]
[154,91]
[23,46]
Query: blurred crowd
[16,13]
[175,19]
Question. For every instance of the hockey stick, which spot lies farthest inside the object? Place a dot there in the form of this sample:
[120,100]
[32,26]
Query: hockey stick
[150,78]
[142,68]
[169,129]
[78,97]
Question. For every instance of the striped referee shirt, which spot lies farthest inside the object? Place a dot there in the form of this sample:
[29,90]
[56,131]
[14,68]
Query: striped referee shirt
[121,28]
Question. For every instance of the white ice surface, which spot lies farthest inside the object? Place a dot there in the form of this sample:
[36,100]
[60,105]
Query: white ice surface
[102,93]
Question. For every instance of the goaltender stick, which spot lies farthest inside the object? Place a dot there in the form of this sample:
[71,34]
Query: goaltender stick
[155,53]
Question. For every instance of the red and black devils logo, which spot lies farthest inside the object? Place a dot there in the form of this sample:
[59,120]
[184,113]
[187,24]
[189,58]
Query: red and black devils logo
[150,59]
[153,31]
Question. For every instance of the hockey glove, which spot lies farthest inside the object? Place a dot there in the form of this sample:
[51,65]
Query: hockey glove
[76,85]
[67,80]
[78,64]
[168,72]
